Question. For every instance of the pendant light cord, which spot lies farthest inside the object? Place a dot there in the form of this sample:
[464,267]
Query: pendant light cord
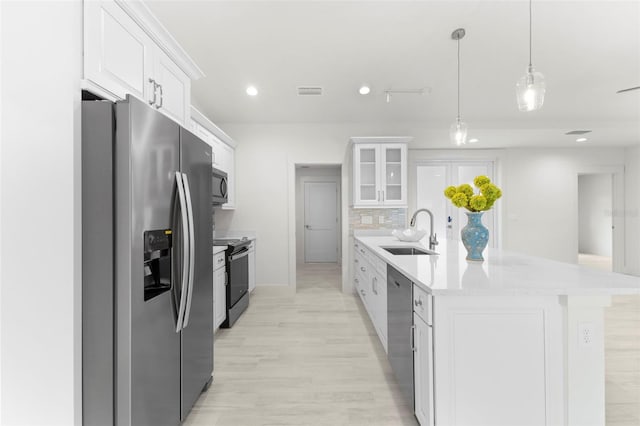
[458,79]
[530,33]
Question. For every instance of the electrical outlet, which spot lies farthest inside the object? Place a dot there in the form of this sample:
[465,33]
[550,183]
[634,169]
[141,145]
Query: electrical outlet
[381,219]
[585,334]
[366,220]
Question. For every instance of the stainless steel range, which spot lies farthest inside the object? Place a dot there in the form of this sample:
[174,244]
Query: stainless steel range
[237,290]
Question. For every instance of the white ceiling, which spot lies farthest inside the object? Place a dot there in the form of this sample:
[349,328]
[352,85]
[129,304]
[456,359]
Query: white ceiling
[587,50]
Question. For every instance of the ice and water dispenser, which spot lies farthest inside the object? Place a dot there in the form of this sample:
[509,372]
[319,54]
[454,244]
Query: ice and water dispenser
[157,262]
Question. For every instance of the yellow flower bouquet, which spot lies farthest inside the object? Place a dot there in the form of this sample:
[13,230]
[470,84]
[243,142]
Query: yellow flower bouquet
[464,196]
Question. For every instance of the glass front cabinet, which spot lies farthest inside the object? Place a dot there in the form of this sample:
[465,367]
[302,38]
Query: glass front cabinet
[379,173]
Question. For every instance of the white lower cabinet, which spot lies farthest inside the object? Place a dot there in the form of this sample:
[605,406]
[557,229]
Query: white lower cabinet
[219,289]
[371,286]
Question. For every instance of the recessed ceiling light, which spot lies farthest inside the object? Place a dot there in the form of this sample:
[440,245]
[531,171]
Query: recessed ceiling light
[364,89]
[474,140]
[581,140]
[252,91]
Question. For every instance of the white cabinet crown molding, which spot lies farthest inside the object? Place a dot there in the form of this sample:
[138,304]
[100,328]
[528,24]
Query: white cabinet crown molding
[210,126]
[381,139]
[140,13]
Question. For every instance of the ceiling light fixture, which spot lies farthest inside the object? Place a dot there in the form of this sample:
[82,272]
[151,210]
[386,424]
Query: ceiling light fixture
[252,91]
[364,89]
[458,130]
[473,140]
[581,140]
[531,86]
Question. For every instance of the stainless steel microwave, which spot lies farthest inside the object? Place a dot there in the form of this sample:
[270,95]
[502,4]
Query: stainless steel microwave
[219,186]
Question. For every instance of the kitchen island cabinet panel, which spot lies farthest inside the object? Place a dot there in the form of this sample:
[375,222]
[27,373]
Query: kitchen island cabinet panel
[516,339]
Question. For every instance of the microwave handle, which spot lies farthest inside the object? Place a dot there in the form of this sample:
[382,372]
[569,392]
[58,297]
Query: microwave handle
[223,187]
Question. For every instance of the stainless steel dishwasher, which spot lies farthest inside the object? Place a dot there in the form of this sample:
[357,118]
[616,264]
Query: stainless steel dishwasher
[400,332]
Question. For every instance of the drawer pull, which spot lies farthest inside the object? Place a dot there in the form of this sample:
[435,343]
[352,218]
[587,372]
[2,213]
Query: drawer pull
[418,302]
[363,269]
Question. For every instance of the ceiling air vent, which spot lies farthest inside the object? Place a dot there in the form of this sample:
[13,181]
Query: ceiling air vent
[309,90]
[578,132]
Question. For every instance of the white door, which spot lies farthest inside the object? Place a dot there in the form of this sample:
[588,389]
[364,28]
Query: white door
[433,178]
[320,222]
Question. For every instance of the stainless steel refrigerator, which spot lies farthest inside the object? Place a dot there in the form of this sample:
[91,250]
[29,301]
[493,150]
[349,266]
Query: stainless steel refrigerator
[147,266]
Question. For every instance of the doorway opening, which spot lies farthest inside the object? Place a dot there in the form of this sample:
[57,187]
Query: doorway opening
[596,220]
[318,226]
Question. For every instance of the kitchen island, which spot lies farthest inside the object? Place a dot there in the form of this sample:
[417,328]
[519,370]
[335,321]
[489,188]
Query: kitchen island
[513,340]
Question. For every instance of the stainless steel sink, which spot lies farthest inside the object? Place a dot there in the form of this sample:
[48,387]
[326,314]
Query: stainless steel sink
[408,251]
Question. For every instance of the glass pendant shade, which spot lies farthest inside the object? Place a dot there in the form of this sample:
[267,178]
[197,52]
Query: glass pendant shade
[530,90]
[458,132]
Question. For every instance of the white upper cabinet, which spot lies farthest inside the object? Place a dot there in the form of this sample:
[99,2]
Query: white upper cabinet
[173,88]
[380,172]
[223,151]
[117,54]
[127,51]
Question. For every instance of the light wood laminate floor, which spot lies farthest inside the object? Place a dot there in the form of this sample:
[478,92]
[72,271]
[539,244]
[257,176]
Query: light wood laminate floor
[622,361]
[313,358]
[308,358]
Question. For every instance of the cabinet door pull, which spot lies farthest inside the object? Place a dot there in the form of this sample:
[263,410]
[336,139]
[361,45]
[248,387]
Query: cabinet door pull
[153,101]
[413,346]
[161,96]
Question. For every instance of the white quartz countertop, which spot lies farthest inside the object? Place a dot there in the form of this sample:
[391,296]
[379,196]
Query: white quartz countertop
[502,272]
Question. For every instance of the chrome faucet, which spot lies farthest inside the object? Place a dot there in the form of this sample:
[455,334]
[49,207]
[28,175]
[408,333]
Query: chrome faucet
[433,240]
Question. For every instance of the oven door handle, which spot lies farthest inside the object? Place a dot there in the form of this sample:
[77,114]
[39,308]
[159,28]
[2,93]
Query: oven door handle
[240,254]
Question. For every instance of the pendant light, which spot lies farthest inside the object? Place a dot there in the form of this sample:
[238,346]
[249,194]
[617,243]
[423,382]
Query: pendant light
[458,130]
[530,88]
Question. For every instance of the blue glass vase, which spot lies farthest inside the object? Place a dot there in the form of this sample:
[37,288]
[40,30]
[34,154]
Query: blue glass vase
[475,236]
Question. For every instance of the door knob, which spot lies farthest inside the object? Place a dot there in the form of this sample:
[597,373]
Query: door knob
[307,226]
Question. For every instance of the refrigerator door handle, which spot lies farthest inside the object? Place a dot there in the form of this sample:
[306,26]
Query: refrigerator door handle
[185,251]
[192,249]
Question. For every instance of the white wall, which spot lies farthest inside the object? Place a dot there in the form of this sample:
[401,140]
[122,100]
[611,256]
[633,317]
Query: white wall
[632,210]
[40,238]
[263,158]
[539,208]
[595,211]
[541,198]
[313,174]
